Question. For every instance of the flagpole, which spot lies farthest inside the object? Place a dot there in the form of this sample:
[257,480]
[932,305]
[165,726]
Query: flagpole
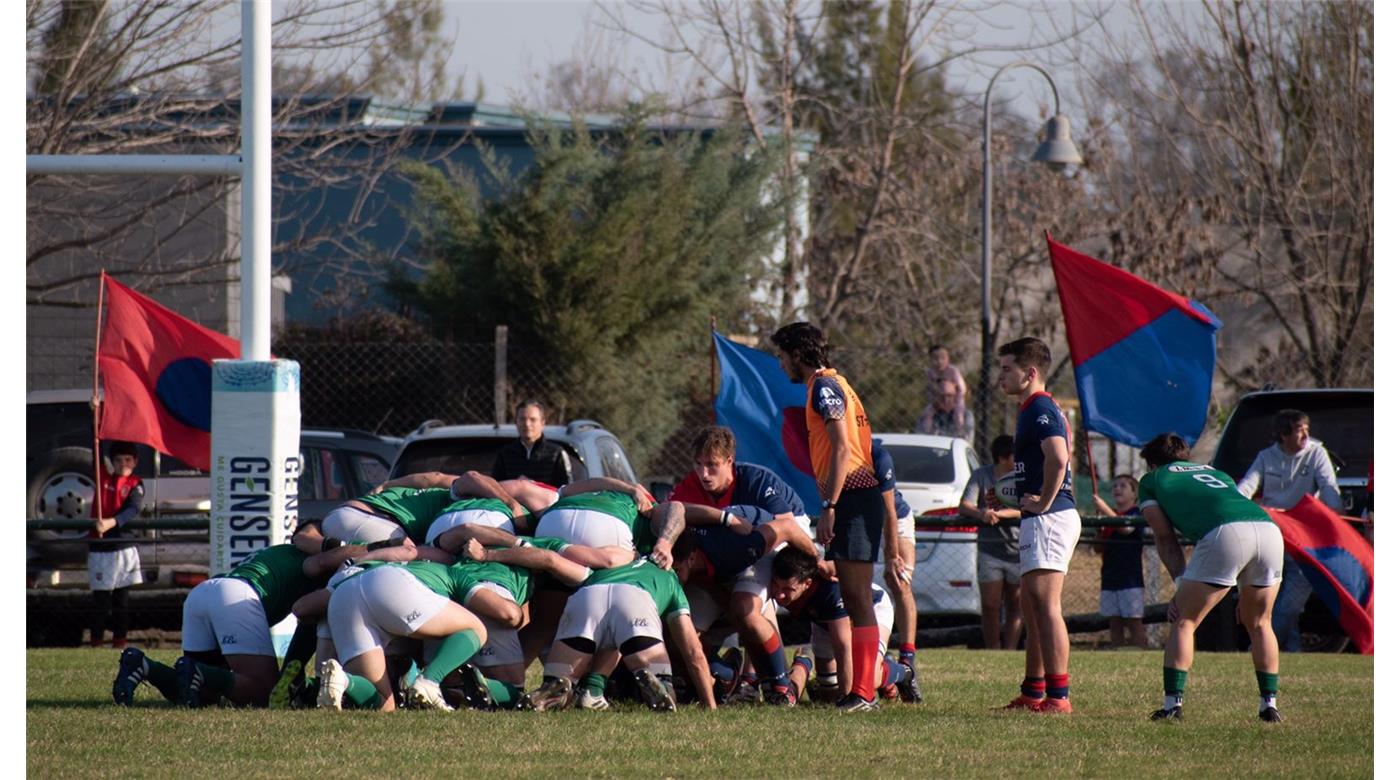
[714,360]
[1089,453]
[96,402]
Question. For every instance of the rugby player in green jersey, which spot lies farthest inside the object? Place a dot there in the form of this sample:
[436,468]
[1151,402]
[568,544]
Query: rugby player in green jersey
[225,633]
[601,520]
[1236,542]
[407,506]
[623,609]
[373,602]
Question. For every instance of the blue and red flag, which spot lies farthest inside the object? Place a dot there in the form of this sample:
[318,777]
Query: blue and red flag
[1143,357]
[765,409]
[156,370]
[1338,563]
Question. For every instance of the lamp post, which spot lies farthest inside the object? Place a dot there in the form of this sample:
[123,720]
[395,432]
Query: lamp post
[1056,151]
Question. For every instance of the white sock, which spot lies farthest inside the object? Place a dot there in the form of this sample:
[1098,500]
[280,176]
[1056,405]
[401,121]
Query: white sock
[1170,700]
[1265,702]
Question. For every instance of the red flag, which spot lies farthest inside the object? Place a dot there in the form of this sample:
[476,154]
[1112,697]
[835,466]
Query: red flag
[1338,563]
[157,375]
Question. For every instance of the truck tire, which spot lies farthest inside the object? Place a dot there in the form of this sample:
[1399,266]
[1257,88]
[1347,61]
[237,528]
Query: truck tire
[62,486]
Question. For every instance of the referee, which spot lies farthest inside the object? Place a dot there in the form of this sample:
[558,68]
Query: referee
[853,510]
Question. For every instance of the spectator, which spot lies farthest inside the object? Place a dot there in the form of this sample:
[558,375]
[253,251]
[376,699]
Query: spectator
[113,563]
[1292,467]
[942,369]
[947,416]
[531,456]
[1121,592]
[998,559]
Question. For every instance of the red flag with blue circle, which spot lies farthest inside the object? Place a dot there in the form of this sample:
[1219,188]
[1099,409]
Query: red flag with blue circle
[765,409]
[1143,357]
[157,375]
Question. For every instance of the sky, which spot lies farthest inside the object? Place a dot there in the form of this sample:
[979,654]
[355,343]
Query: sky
[509,45]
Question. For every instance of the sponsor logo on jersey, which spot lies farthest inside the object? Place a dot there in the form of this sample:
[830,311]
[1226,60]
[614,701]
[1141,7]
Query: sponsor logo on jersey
[412,616]
[1043,419]
[1187,469]
[640,622]
[229,639]
[770,491]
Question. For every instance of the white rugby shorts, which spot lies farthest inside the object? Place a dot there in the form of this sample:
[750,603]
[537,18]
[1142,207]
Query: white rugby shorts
[349,524]
[367,610]
[1047,541]
[586,527]
[1248,553]
[112,569]
[225,614]
[449,520]
[609,615]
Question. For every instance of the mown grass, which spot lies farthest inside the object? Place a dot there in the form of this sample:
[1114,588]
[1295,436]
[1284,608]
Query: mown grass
[73,730]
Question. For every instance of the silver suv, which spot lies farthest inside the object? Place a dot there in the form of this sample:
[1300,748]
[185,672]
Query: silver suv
[591,449]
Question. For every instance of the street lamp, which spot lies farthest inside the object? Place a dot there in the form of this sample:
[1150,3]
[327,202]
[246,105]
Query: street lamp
[1056,151]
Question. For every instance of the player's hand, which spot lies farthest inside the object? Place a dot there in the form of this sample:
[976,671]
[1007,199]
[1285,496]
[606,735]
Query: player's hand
[895,564]
[990,517]
[740,526]
[1031,503]
[827,570]
[642,498]
[380,488]
[104,524]
[474,550]
[661,555]
[826,526]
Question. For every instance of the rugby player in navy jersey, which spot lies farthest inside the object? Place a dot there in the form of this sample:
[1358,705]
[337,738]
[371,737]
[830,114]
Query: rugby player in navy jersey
[729,545]
[900,579]
[1049,523]
[804,594]
[718,481]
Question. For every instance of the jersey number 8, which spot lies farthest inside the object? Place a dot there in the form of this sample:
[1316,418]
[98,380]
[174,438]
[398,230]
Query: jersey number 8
[1210,480]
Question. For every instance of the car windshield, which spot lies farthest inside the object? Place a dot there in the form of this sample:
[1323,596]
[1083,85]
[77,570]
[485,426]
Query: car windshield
[460,454]
[1343,422]
[932,465]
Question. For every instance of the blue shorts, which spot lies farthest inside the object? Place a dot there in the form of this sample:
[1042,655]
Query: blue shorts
[860,524]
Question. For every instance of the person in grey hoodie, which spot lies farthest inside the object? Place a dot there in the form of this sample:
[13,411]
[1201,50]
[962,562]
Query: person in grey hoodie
[1294,466]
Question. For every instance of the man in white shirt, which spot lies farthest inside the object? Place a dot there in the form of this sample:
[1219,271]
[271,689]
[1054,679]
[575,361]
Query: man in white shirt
[1294,466]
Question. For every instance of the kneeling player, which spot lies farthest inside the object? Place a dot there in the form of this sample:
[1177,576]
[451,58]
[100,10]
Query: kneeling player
[623,608]
[797,588]
[1236,543]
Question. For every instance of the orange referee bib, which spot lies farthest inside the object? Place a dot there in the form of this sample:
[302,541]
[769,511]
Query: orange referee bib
[830,398]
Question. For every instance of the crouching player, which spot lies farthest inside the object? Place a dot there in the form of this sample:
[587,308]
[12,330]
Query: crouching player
[1236,543]
[798,589]
[374,602]
[623,608]
[225,630]
[731,548]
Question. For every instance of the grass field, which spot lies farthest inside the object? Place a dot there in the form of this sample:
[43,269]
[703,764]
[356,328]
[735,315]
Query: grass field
[73,730]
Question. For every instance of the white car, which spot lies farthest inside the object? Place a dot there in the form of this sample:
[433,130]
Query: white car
[931,472]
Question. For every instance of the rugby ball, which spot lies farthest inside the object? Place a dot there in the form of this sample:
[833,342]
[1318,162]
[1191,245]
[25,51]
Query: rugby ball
[1006,491]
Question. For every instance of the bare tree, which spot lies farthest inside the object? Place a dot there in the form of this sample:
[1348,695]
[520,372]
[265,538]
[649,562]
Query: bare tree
[149,76]
[1237,167]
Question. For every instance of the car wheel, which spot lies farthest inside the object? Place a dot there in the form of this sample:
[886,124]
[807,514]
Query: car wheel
[62,487]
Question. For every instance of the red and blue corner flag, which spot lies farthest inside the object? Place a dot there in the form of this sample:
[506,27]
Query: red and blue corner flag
[157,375]
[765,409]
[1143,357]
[1338,563]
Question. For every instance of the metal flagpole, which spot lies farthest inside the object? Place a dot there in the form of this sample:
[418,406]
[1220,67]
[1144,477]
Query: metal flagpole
[97,400]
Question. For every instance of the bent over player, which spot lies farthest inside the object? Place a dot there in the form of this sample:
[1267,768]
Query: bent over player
[1236,543]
